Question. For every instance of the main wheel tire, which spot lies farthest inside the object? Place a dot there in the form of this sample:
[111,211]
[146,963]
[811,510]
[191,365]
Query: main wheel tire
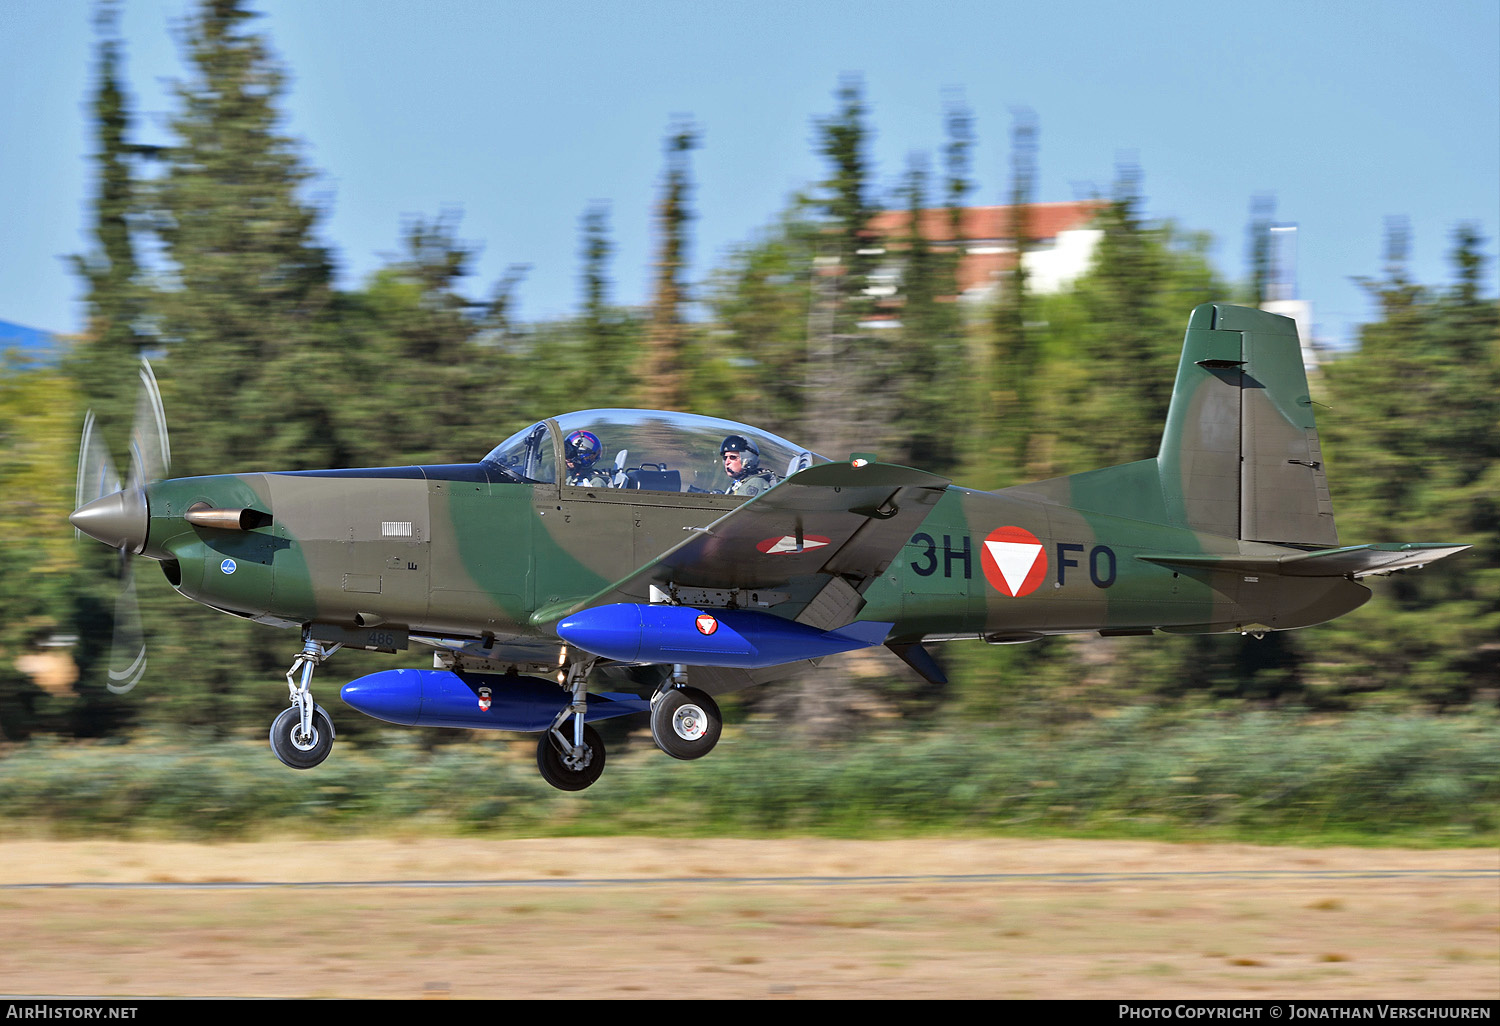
[685,723]
[554,767]
[297,751]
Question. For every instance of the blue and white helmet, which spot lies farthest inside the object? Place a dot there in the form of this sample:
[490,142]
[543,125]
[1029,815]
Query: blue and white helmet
[581,449]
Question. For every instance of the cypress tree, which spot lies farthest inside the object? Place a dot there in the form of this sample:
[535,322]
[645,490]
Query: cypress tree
[249,284]
[1013,354]
[957,154]
[844,383]
[104,364]
[761,303]
[923,374]
[597,250]
[607,351]
[664,370]
[243,311]
[1413,456]
[843,140]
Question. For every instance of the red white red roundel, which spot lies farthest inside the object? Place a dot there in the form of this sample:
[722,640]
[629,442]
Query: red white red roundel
[706,624]
[1014,561]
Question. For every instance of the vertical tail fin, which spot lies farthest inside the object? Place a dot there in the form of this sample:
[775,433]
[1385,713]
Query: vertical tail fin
[1240,455]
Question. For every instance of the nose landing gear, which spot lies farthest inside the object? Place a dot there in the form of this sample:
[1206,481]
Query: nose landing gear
[302,735]
[299,748]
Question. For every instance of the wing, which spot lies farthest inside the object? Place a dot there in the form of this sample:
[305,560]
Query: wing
[805,549]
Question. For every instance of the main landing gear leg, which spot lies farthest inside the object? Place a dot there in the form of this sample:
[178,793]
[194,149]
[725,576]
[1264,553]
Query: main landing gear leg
[302,736]
[571,760]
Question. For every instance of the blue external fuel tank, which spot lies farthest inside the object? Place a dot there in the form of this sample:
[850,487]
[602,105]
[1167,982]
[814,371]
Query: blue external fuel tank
[638,633]
[441,698]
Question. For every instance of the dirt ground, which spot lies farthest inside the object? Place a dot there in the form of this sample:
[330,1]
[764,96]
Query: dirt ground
[1294,924]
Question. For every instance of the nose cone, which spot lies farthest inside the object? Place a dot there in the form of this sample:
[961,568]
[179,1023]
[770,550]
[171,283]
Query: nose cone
[614,631]
[119,520]
[391,695]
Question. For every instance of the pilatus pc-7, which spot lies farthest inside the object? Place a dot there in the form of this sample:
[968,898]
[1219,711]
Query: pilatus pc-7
[613,546]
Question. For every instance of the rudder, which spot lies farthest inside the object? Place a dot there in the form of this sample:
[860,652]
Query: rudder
[1240,455]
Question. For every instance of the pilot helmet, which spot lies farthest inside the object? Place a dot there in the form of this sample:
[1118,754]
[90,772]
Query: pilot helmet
[749,453]
[581,449]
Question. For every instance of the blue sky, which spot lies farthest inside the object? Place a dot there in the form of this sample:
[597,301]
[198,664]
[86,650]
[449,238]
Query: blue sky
[520,114]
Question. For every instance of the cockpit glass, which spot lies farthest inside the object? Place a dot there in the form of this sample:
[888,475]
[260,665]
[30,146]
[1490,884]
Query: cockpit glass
[653,450]
[527,455]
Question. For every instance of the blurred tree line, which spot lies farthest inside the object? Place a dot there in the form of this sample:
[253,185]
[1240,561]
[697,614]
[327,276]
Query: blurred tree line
[206,257]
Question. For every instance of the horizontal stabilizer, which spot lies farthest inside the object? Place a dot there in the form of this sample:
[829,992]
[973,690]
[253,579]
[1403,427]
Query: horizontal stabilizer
[1349,561]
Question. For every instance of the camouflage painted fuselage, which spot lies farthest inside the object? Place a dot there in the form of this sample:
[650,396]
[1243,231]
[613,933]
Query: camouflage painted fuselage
[1229,528]
[450,551]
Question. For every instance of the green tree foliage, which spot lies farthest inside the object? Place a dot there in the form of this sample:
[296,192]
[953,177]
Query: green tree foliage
[609,336]
[1414,455]
[665,356]
[846,374]
[958,160]
[102,366]
[761,300]
[1112,341]
[928,386]
[1014,352]
[843,140]
[249,286]
[428,392]
[267,365]
[115,296]
[42,588]
[918,377]
[1103,357]
[244,308]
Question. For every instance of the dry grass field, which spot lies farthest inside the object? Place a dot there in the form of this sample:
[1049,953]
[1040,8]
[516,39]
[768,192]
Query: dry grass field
[615,918]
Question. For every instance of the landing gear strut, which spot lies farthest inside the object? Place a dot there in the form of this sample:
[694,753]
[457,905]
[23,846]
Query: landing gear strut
[302,735]
[572,759]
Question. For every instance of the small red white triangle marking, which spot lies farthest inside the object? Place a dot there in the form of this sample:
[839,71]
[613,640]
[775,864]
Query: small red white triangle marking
[787,543]
[1015,560]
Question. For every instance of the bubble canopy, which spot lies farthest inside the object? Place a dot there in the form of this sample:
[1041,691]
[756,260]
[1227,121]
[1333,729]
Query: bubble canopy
[652,450]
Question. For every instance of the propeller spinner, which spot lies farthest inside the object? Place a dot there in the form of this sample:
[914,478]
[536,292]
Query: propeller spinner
[120,517]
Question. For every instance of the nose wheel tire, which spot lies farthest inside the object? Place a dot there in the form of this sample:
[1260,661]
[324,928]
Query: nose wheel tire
[298,750]
[571,773]
[685,722]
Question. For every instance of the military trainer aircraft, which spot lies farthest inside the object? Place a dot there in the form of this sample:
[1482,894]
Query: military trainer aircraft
[545,565]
